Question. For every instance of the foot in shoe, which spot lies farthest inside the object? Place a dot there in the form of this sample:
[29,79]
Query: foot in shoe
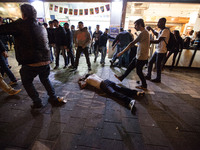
[64,67]
[119,78]
[156,80]
[61,100]
[14,92]
[141,87]
[148,77]
[13,83]
[141,93]
[132,105]
[56,67]
[37,105]
[89,69]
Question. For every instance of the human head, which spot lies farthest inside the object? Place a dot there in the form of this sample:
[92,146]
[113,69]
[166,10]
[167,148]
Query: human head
[72,27]
[80,25]
[55,23]
[82,83]
[121,29]
[129,30]
[161,23]
[97,27]
[89,27]
[106,30]
[139,24]
[51,24]
[191,32]
[176,33]
[66,25]
[28,12]
[45,24]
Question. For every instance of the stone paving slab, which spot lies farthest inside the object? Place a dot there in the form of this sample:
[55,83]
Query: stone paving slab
[167,118]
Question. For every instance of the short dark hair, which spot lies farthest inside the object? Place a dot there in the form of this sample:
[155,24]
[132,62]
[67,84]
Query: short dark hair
[50,22]
[106,29]
[66,23]
[72,26]
[163,19]
[139,22]
[45,24]
[28,11]
[121,29]
[98,25]
[80,22]
[55,20]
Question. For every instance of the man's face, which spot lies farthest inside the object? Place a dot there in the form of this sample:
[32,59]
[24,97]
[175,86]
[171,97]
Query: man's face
[72,27]
[97,28]
[55,24]
[51,25]
[66,26]
[160,23]
[136,27]
[106,31]
[80,26]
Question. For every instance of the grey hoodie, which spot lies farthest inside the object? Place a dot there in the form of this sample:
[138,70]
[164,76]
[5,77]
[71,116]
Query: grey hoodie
[82,38]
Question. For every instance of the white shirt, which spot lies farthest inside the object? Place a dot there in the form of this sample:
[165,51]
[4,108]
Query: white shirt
[143,42]
[161,47]
[94,81]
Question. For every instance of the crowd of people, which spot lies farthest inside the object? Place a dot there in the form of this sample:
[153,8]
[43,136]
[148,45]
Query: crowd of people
[37,45]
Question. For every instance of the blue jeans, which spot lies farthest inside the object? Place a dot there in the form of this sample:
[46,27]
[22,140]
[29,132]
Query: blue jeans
[5,69]
[28,74]
[103,54]
[157,58]
[51,53]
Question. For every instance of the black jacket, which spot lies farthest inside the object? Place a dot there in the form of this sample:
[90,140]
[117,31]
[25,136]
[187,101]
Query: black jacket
[69,38]
[31,41]
[2,47]
[103,39]
[51,35]
[60,36]
[124,39]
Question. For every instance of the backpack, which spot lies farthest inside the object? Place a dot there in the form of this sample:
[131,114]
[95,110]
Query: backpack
[171,43]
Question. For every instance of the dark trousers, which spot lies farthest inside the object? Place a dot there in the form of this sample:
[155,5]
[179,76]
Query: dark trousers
[58,49]
[27,76]
[5,69]
[173,60]
[78,53]
[157,57]
[70,56]
[96,50]
[118,92]
[138,64]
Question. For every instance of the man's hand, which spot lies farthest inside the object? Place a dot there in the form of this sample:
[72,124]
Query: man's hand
[148,28]
[5,54]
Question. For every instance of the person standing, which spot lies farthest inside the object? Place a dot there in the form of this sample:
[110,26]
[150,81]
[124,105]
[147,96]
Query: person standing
[69,45]
[143,41]
[32,52]
[51,37]
[61,43]
[96,35]
[82,39]
[102,44]
[160,49]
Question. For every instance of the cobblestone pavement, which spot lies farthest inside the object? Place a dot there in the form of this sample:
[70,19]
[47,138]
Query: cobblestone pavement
[166,118]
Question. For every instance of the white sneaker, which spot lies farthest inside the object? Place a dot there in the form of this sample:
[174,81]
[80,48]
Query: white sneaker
[132,105]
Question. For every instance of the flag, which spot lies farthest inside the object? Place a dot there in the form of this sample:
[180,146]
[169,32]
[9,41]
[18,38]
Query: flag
[65,10]
[86,11]
[70,11]
[97,10]
[91,11]
[102,9]
[75,11]
[51,7]
[56,8]
[80,11]
[61,10]
[108,7]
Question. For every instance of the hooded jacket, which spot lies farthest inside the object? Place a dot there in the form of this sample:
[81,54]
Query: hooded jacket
[31,40]
[82,37]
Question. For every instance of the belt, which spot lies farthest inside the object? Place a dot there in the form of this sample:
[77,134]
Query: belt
[39,64]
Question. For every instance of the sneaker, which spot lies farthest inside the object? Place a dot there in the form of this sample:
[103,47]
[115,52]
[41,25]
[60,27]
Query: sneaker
[147,77]
[89,69]
[56,67]
[14,92]
[13,83]
[119,78]
[111,63]
[132,105]
[141,87]
[64,67]
[70,67]
[37,105]
[141,93]
[61,100]
[156,80]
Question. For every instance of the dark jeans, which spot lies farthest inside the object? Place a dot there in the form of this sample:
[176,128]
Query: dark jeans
[28,74]
[96,50]
[5,69]
[118,92]
[157,57]
[138,64]
[78,53]
[70,56]
[58,49]
[167,57]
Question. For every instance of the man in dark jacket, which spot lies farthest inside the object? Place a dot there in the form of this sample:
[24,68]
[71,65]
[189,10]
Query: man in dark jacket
[61,43]
[69,44]
[102,44]
[51,37]
[32,52]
